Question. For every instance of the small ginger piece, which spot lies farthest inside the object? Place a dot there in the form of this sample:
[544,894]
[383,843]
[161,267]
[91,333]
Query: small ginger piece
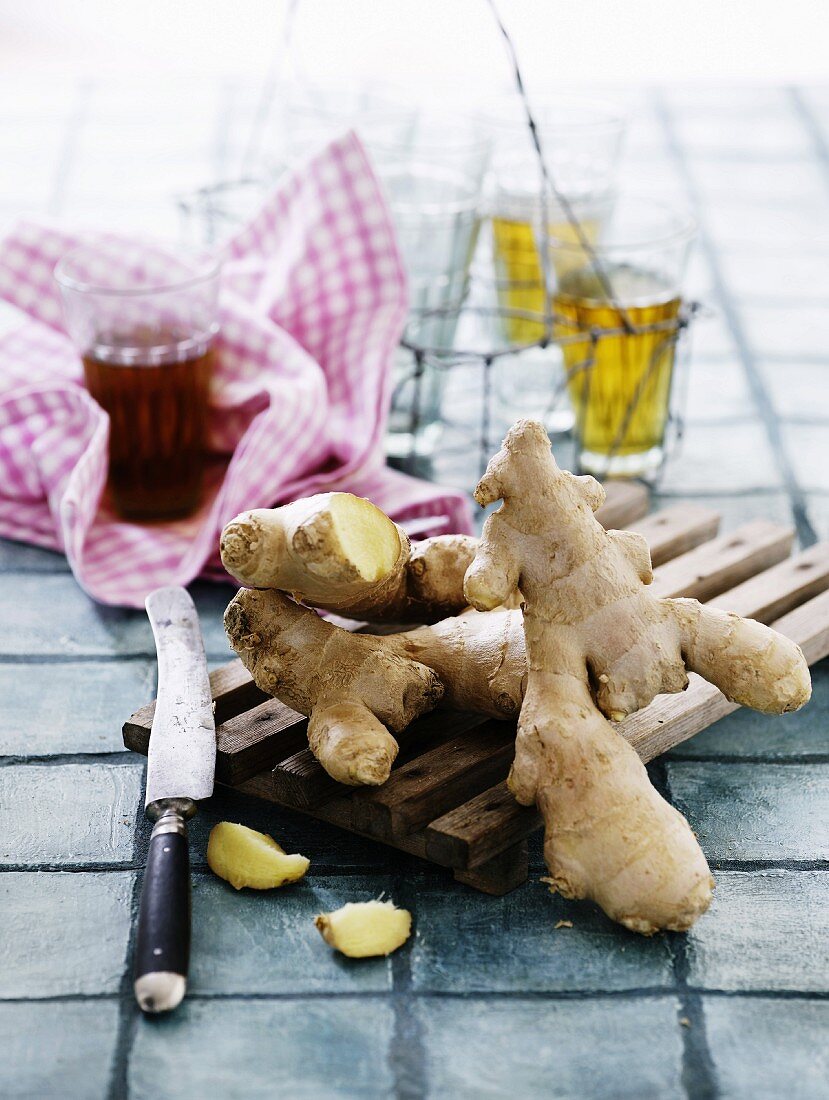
[363,929]
[243,857]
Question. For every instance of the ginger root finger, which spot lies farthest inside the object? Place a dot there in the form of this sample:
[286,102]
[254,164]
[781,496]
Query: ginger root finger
[610,836]
[351,686]
[751,664]
[341,553]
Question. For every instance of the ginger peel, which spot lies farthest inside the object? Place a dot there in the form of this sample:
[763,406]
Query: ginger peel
[244,857]
[365,929]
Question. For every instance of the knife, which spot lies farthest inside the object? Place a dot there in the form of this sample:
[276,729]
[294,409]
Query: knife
[180,769]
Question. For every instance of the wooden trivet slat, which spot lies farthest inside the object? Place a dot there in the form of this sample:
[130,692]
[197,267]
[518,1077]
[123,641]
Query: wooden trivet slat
[447,800]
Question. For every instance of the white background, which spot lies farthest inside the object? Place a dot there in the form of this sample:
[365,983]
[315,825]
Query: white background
[438,46]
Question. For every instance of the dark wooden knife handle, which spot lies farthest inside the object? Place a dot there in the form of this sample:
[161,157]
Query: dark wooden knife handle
[162,946]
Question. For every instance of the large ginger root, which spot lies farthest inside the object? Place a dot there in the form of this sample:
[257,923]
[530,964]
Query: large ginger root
[341,553]
[597,643]
[351,686]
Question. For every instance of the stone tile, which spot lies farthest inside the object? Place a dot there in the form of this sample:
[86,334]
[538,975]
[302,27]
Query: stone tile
[808,447]
[797,390]
[252,941]
[764,1049]
[711,460]
[747,223]
[57,1051]
[736,508]
[766,930]
[68,813]
[82,711]
[527,1048]
[817,507]
[22,558]
[63,933]
[726,135]
[717,391]
[786,331]
[711,337]
[53,615]
[755,811]
[747,733]
[753,178]
[304,1050]
[466,943]
[707,99]
[777,275]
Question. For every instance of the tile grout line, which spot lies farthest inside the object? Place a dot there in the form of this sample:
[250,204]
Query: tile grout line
[757,387]
[128,1011]
[698,1074]
[435,875]
[812,127]
[560,996]
[407,1055]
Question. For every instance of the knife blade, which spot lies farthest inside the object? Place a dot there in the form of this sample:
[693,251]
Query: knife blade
[180,772]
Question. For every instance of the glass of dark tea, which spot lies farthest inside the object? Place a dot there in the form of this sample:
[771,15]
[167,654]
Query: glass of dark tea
[617,309]
[144,319]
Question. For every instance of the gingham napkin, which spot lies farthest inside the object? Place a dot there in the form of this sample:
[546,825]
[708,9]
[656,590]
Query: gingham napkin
[313,303]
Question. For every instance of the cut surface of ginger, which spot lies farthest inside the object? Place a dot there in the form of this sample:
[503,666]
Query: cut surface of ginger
[363,929]
[243,857]
[367,537]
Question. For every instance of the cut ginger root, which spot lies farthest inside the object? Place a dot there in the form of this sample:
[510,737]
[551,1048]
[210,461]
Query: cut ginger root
[364,929]
[243,857]
[341,553]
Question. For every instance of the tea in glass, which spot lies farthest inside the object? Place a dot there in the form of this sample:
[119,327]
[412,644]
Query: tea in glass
[144,322]
[617,320]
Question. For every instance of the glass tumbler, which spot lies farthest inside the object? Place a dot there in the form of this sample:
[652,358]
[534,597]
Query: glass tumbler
[144,321]
[437,218]
[617,318]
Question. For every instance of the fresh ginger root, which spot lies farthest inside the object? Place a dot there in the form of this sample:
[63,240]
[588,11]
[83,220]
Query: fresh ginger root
[351,686]
[598,644]
[364,929]
[243,857]
[341,553]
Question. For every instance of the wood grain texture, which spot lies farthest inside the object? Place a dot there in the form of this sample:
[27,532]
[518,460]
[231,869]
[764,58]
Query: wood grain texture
[724,562]
[676,530]
[625,502]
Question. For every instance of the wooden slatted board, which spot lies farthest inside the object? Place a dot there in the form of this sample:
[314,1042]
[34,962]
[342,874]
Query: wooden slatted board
[446,800]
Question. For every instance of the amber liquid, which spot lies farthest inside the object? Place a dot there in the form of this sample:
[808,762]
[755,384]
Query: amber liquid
[621,403]
[155,388]
[520,276]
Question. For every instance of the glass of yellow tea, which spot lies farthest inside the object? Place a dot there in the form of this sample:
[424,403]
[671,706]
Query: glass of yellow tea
[617,319]
[582,141]
[144,320]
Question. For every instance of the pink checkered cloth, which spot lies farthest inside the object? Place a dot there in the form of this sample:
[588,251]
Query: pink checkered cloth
[313,304]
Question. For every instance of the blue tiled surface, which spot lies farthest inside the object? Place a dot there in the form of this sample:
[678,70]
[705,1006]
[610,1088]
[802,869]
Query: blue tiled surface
[488,999]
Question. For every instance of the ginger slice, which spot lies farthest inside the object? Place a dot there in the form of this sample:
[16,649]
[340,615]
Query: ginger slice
[363,929]
[243,857]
